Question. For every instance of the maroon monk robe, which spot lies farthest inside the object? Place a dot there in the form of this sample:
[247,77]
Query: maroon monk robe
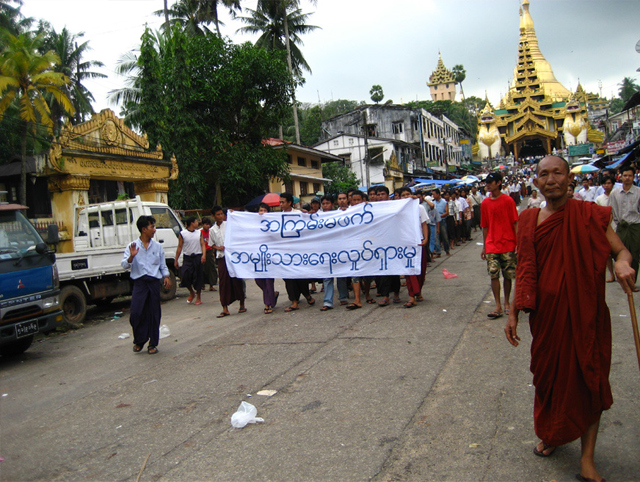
[561,282]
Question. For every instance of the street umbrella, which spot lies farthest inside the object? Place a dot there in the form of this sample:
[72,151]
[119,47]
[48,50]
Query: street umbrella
[500,167]
[271,199]
[584,168]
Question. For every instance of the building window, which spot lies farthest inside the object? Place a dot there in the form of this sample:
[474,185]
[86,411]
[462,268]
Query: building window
[303,188]
[435,87]
[316,187]
[289,158]
[335,143]
[315,165]
[288,187]
[302,161]
[351,141]
[397,127]
[416,125]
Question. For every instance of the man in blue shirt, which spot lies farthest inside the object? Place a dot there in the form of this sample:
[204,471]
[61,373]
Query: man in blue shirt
[145,258]
[443,210]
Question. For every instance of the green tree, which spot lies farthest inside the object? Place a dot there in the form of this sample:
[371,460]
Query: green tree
[212,103]
[628,87]
[11,18]
[279,12]
[194,15]
[342,178]
[376,93]
[26,76]
[73,65]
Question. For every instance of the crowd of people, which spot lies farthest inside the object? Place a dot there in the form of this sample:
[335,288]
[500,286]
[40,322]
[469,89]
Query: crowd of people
[562,235]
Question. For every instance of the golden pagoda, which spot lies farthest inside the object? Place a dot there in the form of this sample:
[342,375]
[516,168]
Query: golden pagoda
[537,114]
[442,82]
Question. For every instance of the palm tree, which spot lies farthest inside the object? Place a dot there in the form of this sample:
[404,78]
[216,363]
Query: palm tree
[278,11]
[459,75]
[76,69]
[25,77]
[628,87]
[209,10]
[271,26]
[194,15]
[11,18]
[129,96]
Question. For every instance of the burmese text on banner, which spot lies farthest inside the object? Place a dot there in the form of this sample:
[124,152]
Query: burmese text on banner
[372,239]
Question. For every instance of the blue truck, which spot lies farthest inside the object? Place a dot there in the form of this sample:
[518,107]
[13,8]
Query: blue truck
[29,282]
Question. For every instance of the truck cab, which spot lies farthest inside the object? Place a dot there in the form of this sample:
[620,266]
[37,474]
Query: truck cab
[29,283]
[92,273]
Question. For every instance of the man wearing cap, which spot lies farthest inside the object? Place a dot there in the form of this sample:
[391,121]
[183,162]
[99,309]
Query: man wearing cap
[499,220]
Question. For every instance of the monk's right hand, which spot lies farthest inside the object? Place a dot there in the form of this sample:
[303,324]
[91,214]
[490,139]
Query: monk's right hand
[511,329]
[483,255]
[626,276]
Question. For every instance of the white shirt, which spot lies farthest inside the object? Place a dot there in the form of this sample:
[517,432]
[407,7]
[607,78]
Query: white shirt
[216,237]
[191,242]
[588,194]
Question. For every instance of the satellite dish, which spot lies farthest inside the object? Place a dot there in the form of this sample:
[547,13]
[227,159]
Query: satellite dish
[638,47]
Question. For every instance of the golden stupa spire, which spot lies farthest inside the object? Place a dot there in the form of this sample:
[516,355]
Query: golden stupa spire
[441,75]
[533,69]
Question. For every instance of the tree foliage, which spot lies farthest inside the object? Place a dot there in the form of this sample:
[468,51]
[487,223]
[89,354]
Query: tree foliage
[212,103]
[628,87]
[376,93]
[342,178]
[193,16]
[270,25]
[74,66]
[26,79]
[312,115]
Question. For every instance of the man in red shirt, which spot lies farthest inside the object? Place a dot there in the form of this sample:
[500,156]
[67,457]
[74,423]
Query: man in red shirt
[499,221]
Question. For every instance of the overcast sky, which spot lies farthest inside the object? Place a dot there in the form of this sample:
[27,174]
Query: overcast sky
[395,43]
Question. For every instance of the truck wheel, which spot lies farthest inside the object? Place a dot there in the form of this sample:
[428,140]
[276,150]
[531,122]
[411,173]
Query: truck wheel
[17,347]
[74,305]
[166,295]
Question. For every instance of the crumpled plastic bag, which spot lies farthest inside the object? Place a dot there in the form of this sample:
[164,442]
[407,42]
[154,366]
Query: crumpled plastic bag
[246,414]
[164,331]
[447,274]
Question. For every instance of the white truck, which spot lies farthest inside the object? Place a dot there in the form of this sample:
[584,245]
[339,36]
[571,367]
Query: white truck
[92,273]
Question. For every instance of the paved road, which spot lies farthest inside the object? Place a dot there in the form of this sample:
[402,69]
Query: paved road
[430,393]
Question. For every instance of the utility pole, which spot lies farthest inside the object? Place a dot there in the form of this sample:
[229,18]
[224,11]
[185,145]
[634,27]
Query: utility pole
[366,147]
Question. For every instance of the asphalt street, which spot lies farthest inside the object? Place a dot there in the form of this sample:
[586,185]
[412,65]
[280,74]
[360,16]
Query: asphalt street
[387,394]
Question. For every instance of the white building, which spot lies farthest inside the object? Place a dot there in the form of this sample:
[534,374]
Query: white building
[436,139]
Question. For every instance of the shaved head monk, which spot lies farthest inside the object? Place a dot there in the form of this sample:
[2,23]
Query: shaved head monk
[560,281]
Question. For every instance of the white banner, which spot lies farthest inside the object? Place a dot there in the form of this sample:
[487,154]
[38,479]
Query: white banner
[372,239]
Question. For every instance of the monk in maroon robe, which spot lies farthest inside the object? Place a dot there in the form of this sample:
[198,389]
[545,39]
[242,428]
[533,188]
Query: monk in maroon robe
[562,257]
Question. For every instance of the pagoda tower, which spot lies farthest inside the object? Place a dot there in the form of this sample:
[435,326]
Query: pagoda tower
[442,82]
[530,117]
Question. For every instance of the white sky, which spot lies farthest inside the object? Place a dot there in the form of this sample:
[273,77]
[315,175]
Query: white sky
[395,43]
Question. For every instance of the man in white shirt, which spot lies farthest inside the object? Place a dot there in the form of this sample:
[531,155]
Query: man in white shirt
[230,289]
[587,193]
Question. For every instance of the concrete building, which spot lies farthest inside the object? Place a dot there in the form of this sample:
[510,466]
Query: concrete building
[305,170]
[418,141]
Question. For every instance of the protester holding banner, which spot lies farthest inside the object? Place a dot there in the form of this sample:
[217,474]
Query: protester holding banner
[231,289]
[357,197]
[295,287]
[343,292]
[415,282]
[269,295]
